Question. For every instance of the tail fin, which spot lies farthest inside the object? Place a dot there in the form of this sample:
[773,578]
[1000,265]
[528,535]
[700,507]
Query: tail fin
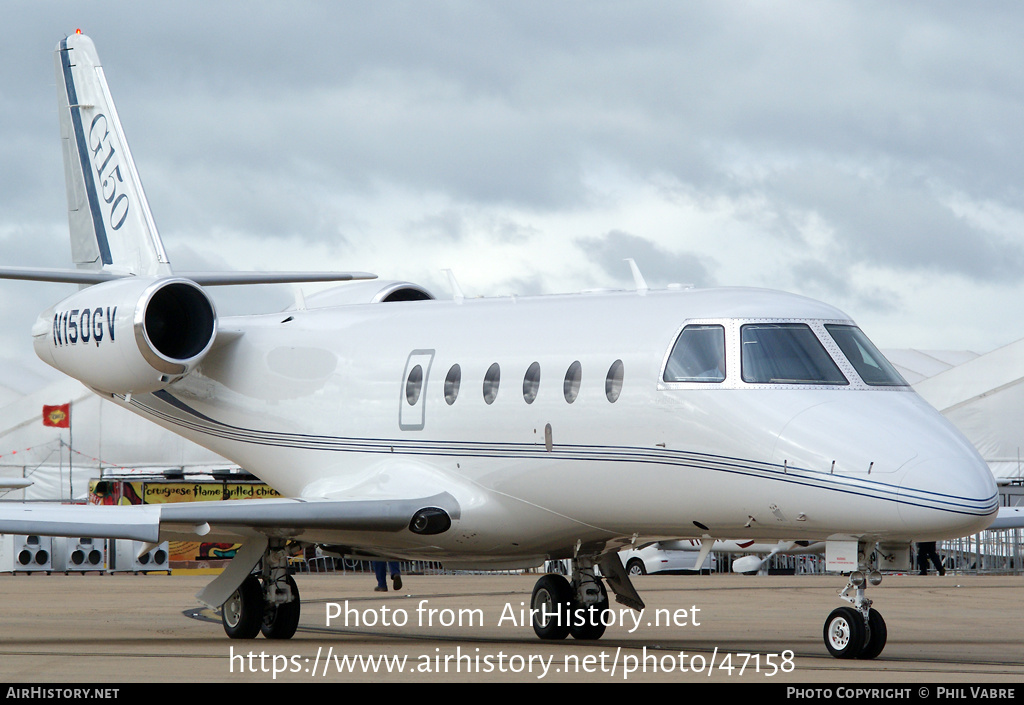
[112,228]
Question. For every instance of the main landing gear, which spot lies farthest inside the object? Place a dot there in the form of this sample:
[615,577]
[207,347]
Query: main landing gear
[858,631]
[562,607]
[267,601]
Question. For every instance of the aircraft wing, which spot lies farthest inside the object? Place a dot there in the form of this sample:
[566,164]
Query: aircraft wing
[229,520]
[1008,518]
[141,523]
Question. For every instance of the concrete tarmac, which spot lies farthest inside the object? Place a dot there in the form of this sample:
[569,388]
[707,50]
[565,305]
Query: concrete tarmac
[703,629]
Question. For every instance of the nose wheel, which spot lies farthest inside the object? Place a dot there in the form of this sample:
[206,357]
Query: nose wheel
[844,632]
[874,642]
[858,631]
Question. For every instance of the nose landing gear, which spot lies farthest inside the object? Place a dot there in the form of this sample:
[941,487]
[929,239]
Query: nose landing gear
[858,631]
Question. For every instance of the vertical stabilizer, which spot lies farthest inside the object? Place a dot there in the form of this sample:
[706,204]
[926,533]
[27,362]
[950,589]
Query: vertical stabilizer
[109,218]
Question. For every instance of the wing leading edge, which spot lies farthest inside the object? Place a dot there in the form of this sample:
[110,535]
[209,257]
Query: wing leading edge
[231,520]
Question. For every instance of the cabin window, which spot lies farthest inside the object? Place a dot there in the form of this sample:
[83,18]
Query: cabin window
[531,382]
[571,385]
[870,364]
[413,385]
[613,382]
[452,383]
[491,380]
[698,355]
[786,353]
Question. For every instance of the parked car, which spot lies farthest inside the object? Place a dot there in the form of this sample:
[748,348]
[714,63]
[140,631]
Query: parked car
[656,558]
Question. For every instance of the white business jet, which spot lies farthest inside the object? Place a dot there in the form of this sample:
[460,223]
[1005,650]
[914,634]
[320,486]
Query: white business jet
[487,433]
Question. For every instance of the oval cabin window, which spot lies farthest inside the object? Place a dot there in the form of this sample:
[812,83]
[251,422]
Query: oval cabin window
[414,385]
[452,383]
[613,382]
[491,380]
[571,386]
[531,382]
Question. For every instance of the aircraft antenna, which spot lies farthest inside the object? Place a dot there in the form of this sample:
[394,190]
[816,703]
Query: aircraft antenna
[638,279]
[454,284]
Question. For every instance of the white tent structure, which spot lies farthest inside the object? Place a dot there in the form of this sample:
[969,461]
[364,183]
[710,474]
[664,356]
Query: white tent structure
[102,438]
[983,395]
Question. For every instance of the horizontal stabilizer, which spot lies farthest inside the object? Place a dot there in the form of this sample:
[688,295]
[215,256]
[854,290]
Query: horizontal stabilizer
[233,278]
[83,276]
[69,276]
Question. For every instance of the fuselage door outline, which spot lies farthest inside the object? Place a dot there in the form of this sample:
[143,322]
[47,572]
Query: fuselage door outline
[412,398]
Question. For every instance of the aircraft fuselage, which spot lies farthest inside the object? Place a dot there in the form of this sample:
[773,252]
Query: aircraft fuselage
[327,403]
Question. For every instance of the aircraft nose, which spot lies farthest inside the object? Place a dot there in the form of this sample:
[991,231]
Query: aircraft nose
[947,496]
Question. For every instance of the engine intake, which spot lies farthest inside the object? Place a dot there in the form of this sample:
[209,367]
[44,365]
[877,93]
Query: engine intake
[179,323]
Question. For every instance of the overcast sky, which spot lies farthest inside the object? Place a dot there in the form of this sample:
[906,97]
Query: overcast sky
[864,153]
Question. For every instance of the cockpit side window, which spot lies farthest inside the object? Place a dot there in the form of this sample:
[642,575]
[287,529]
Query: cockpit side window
[870,364]
[698,355]
[786,353]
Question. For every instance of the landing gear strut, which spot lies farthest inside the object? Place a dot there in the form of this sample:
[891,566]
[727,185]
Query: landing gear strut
[267,601]
[858,631]
[561,607]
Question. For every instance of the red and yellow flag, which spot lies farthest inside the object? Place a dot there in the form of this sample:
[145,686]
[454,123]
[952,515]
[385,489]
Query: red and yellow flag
[59,416]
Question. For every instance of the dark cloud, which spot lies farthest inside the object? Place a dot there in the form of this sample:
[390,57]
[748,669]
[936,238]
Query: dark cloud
[504,102]
[895,219]
[295,123]
[836,280]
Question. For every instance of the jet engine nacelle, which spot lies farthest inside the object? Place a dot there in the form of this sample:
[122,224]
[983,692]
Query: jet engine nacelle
[128,336]
[368,292]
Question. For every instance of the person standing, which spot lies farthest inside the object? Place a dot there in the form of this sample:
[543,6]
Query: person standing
[381,569]
[926,552]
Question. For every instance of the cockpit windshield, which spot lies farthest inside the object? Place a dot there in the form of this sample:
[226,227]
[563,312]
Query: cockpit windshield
[698,355]
[730,353]
[786,353]
[870,364]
